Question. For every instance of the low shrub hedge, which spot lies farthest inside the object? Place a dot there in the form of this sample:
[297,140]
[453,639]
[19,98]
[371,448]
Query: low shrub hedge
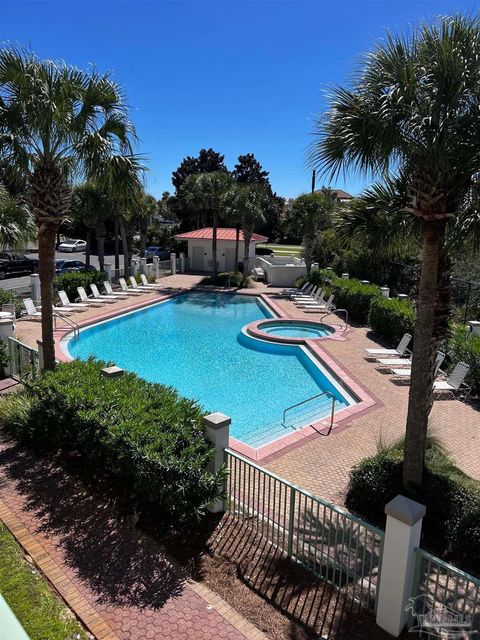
[147,438]
[464,346]
[9,297]
[391,318]
[355,297]
[70,281]
[235,278]
[451,526]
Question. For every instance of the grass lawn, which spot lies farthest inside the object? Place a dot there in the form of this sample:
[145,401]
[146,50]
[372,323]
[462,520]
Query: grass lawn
[30,597]
[283,249]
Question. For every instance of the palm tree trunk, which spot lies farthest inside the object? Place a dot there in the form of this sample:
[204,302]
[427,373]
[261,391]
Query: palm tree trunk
[247,236]
[143,242]
[237,246]
[214,243]
[425,344]
[100,232]
[308,253]
[126,256]
[88,247]
[46,270]
[117,242]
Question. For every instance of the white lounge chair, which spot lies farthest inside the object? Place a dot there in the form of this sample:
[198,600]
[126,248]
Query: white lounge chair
[30,310]
[98,296]
[123,283]
[327,306]
[290,290]
[66,304]
[150,285]
[305,296]
[455,380]
[407,372]
[110,292]
[400,349]
[317,299]
[307,291]
[135,285]
[84,298]
[395,362]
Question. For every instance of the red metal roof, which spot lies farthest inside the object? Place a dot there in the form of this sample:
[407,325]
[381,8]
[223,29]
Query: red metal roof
[222,234]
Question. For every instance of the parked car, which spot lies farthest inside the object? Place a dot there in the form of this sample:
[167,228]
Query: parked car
[15,264]
[72,245]
[72,266]
[160,252]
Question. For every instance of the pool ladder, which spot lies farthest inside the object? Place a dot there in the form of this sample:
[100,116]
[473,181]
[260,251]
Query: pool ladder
[319,395]
[68,321]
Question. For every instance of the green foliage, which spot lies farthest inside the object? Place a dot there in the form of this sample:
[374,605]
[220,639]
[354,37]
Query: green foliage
[8,297]
[221,280]
[391,318]
[30,597]
[70,281]
[452,522]
[207,161]
[354,296]
[465,347]
[148,438]
[4,357]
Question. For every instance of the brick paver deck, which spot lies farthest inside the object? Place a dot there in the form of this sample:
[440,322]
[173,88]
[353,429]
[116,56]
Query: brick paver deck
[117,580]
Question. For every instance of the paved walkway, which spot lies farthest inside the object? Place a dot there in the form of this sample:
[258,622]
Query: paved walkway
[118,581]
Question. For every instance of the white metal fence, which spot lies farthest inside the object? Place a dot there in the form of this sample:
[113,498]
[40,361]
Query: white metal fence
[320,536]
[23,360]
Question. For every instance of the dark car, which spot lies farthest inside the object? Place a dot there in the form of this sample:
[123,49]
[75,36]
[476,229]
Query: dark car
[160,252]
[72,266]
[16,264]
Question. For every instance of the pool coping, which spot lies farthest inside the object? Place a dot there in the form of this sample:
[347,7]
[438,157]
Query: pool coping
[366,401]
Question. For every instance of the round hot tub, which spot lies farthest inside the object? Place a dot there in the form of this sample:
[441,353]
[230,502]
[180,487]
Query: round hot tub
[297,329]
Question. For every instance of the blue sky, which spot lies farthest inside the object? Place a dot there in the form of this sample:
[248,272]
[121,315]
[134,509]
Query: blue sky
[240,77]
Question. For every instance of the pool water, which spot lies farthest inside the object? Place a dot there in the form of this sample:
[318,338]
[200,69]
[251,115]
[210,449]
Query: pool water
[300,330]
[194,343]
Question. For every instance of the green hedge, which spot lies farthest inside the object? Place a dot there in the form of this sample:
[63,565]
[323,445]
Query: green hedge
[355,297]
[221,280]
[391,318]
[452,523]
[70,281]
[465,347]
[145,436]
[9,297]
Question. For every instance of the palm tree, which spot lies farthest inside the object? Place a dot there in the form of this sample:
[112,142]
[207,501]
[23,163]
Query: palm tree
[207,192]
[90,205]
[309,213]
[245,203]
[16,223]
[145,211]
[56,121]
[413,108]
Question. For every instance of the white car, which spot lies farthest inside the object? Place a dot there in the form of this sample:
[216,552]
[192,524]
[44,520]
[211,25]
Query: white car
[72,245]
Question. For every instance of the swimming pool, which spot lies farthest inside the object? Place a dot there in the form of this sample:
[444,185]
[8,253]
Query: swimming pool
[195,343]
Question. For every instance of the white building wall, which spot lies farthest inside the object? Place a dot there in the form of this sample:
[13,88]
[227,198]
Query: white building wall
[200,254]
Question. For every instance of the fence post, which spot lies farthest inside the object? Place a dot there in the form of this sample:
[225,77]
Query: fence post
[143,266]
[6,332]
[385,291]
[345,276]
[173,263]
[108,270]
[155,267]
[402,536]
[40,355]
[217,428]
[291,522]
[182,263]
[35,287]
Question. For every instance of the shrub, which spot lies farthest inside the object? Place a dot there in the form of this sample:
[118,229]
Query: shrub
[9,297]
[355,297]
[4,357]
[465,346]
[318,277]
[70,281]
[221,280]
[452,522]
[391,318]
[148,439]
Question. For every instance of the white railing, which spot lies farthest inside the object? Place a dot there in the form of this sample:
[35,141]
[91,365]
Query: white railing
[23,360]
[325,539]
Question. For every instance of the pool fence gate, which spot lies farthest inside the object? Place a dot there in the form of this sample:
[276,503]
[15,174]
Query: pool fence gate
[386,572]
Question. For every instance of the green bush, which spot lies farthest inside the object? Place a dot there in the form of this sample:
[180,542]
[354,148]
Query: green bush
[355,297]
[391,318]
[9,297]
[146,437]
[318,277]
[451,526]
[222,279]
[465,347]
[70,281]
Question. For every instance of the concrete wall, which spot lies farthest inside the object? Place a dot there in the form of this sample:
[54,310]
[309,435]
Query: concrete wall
[280,271]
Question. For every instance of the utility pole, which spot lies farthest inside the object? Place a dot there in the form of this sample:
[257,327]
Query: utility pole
[313,181]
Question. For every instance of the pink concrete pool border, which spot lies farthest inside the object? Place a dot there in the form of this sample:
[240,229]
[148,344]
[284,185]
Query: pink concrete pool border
[365,400]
